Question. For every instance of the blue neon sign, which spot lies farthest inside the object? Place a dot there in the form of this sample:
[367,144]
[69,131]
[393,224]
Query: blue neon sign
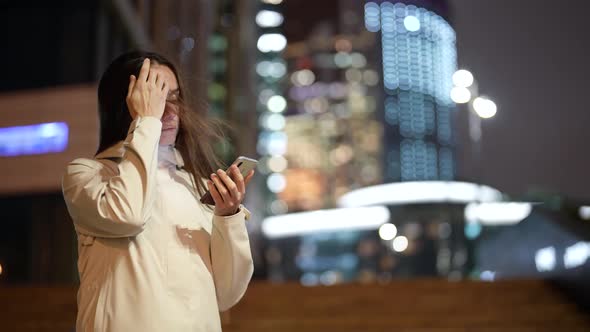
[33,139]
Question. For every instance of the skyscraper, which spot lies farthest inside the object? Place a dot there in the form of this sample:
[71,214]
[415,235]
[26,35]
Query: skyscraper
[419,58]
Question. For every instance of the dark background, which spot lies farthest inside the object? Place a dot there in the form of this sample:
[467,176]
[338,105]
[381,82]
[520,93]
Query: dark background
[533,59]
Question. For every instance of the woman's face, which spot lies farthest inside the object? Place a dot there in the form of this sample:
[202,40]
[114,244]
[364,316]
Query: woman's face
[170,120]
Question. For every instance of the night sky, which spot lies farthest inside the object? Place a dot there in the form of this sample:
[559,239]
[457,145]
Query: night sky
[533,59]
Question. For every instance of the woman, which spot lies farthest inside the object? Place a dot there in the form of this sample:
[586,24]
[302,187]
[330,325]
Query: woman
[151,257]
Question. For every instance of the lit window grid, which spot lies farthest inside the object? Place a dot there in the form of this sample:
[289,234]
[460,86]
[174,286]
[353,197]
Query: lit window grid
[393,164]
[444,124]
[372,17]
[410,66]
[217,71]
[446,164]
[270,142]
[413,112]
[418,160]
[408,56]
[407,52]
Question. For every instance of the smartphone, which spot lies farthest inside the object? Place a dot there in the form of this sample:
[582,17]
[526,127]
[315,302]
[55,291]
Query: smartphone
[245,165]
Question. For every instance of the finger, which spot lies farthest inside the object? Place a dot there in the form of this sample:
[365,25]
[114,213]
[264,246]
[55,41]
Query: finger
[144,71]
[248,177]
[238,179]
[153,76]
[214,193]
[165,88]
[131,85]
[223,192]
[160,82]
[229,184]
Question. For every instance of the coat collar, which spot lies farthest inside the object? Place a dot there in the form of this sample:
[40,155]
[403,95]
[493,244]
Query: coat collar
[117,151]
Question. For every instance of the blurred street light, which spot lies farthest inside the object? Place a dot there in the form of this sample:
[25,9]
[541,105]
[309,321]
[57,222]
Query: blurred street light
[269,19]
[460,95]
[387,231]
[400,243]
[271,42]
[584,212]
[465,91]
[463,78]
[276,104]
[484,107]
[276,182]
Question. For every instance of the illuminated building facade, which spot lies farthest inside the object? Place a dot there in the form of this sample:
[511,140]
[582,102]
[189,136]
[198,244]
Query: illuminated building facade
[419,58]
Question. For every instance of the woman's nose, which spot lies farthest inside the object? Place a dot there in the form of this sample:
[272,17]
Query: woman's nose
[169,114]
[170,110]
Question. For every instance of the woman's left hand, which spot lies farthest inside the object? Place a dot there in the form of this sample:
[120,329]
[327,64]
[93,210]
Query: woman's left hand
[228,190]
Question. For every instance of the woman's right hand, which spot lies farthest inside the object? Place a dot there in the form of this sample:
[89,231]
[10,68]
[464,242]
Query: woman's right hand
[147,94]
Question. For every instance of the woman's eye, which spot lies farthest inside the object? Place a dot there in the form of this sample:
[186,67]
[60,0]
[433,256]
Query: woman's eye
[172,97]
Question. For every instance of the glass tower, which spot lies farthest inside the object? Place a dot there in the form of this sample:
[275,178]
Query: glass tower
[419,58]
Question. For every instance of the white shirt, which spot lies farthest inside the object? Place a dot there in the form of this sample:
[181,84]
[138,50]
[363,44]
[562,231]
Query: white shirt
[151,257]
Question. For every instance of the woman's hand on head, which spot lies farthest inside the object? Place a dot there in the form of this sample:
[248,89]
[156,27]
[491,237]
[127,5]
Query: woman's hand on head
[228,190]
[147,93]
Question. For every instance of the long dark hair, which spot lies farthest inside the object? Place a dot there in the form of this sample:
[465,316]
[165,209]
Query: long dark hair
[196,134]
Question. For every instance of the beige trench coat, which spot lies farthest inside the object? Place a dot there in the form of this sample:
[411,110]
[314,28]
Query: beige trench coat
[150,256]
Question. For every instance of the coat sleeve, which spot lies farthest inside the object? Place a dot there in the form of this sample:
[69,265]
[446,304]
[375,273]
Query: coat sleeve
[105,202]
[231,258]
